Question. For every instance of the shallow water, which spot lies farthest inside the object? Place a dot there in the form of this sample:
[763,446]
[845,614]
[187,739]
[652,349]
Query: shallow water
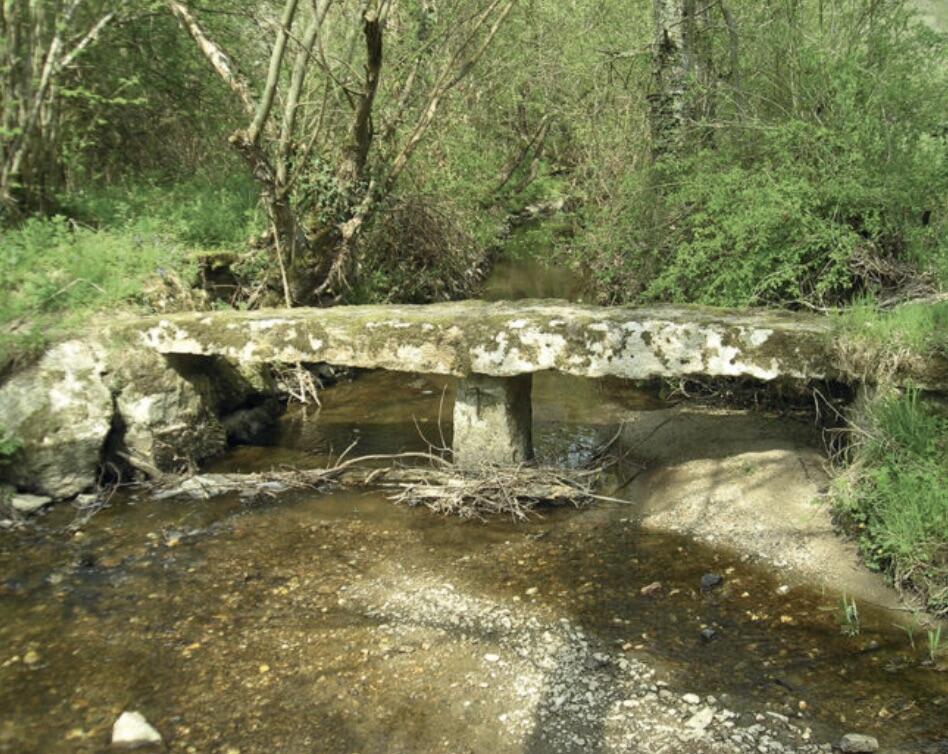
[512,279]
[320,622]
[227,624]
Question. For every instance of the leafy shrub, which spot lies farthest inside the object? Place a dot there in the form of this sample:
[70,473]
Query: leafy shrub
[57,270]
[818,179]
[417,251]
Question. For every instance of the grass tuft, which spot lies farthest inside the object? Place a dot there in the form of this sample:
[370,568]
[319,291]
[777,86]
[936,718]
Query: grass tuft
[894,495]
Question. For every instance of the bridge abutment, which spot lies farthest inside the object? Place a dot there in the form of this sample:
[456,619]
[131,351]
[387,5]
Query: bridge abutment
[493,420]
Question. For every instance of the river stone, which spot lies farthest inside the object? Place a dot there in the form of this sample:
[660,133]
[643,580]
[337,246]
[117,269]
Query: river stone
[24,503]
[711,580]
[61,411]
[168,420]
[857,742]
[132,730]
[701,719]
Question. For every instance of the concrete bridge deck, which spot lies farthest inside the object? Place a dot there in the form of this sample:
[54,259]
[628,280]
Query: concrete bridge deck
[495,348]
[506,339]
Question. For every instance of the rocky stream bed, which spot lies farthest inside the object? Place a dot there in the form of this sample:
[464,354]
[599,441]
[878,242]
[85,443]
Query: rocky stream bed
[340,622]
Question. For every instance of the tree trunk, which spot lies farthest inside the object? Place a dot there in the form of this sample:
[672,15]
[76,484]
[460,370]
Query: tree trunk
[670,66]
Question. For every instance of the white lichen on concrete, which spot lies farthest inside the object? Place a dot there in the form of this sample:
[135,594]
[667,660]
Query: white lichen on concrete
[510,338]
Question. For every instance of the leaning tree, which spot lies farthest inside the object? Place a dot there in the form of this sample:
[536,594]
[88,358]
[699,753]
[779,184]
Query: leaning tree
[327,134]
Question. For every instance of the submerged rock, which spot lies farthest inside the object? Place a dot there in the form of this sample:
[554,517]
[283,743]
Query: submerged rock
[60,410]
[247,425]
[708,635]
[857,742]
[132,730]
[711,580]
[651,590]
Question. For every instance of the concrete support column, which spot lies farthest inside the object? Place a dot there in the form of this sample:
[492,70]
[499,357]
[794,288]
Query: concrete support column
[493,420]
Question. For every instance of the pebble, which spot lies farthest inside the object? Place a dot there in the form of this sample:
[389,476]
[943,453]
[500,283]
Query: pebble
[652,589]
[31,657]
[783,589]
[701,719]
[132,730]
[708,635]
[858,743]
[491,657]
[691,699]
[711,580]
[531,591]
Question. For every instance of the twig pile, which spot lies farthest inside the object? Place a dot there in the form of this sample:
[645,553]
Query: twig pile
[491,490]
[468,493]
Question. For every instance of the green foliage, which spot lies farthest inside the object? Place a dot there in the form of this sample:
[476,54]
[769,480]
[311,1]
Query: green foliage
[849,616]
[8,445]
[934,644]
[895,496]
[817,177]
[57,271]
[197,212]
[919,327]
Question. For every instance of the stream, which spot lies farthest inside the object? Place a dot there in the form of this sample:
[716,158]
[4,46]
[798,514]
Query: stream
[339,622]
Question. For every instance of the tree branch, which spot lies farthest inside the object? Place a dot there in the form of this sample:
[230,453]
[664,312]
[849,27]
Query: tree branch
[297,78]
[215,56]
[360,133]
[444,84]
[273,72]
[88,39]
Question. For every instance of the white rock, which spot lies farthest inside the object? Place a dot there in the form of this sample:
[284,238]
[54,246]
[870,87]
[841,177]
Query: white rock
[61,412]
[691,699]
[132,730]
[29,503]
[491,657]
[856,742]
[701,719]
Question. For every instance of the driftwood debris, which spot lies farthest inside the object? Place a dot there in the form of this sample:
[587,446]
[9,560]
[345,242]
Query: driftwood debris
[468,493]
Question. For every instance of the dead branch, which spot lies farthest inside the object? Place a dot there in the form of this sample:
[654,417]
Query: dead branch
[468,493]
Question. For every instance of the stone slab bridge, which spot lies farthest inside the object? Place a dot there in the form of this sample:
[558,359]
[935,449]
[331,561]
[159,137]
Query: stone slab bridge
[494,348]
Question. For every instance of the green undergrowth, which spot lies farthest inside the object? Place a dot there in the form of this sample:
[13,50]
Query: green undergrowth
[921,327]
[58,271]
[909,342]
[893,494]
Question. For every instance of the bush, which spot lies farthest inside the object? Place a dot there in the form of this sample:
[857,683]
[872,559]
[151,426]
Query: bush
[816,180]
[417,251]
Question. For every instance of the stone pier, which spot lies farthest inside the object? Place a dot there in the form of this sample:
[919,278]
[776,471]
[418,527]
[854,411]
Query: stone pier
[493,420]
